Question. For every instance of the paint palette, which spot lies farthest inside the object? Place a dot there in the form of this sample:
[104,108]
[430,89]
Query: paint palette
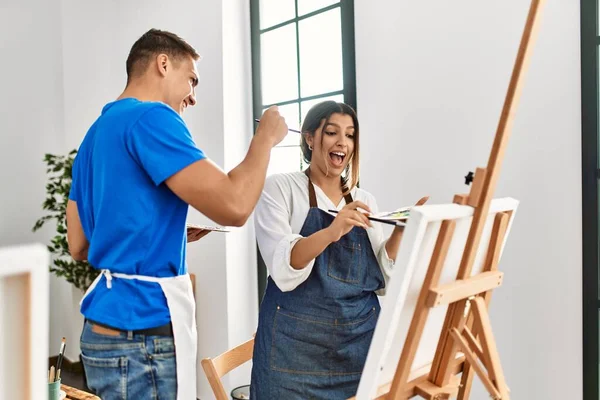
[207,228]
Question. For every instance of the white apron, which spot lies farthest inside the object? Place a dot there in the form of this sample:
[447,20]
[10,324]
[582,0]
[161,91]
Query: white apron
[180,300]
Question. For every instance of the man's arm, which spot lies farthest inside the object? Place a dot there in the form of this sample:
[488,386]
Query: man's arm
[78,244]
[229,198]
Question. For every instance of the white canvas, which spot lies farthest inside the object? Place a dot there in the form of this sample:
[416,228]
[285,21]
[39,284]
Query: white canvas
[398,305]
[24,333]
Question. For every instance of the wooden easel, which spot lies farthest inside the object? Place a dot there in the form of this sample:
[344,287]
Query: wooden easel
[467,327]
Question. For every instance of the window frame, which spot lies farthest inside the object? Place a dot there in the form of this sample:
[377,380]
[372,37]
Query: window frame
[590,41]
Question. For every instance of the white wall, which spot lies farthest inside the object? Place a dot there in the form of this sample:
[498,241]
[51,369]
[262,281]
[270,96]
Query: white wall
[31,124]
[432,76]
[242,296]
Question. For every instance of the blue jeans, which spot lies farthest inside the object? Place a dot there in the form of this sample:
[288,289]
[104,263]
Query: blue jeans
[134,367]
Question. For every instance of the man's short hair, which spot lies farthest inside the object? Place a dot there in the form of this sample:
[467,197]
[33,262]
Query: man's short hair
[153,43]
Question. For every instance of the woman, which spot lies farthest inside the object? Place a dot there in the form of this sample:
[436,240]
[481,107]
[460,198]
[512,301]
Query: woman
[320,307]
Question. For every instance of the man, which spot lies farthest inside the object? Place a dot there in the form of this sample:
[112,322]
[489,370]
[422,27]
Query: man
[135,174]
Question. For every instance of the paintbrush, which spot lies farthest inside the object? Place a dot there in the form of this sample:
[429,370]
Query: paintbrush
[289,129]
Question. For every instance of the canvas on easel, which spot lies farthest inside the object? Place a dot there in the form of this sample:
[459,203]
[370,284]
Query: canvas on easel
[434,333]
[426,282]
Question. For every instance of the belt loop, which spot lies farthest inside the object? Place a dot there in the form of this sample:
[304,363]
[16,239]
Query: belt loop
[129,335]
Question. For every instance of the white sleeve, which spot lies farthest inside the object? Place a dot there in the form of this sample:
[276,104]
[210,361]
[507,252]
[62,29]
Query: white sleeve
[274,235]
[378,242]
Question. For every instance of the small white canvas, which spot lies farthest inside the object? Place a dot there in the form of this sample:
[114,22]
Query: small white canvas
[24,321]
[412,263]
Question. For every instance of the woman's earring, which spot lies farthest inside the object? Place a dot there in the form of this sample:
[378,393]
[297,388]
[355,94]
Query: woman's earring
[310,147]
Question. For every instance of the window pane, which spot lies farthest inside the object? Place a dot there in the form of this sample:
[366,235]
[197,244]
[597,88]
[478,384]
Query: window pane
[321,54]
[279,68]
[306,105]
[273,12]
[291,113]
[284,159]
[308,6]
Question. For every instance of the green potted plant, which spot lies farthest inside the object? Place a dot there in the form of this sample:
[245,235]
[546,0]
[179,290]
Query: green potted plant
[79,273]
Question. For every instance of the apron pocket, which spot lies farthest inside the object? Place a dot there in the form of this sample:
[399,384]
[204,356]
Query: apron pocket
[345,262]
[102,373]
[304,344]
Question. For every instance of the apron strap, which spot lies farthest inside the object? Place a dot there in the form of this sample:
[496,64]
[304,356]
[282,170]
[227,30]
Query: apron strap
[312,197]
[110,275]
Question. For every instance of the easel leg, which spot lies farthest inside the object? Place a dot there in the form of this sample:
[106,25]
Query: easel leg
[491,264]
[466,382]
[447,347]
[488,343]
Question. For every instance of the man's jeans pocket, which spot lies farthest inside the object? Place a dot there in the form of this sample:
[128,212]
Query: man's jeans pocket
[104,373]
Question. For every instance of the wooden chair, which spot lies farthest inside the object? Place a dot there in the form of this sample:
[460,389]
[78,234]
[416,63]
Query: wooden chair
[221,365]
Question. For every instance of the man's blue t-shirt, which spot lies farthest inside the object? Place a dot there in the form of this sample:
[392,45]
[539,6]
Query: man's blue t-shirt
[133,222]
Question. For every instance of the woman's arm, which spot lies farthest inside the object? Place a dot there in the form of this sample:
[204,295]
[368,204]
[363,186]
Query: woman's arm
[393,243]
[309,248]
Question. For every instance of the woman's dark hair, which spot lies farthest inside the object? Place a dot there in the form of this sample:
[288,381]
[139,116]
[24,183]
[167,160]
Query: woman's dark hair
[322,112]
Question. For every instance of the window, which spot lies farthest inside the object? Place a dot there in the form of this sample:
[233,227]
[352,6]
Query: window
[302,53]
[590,40]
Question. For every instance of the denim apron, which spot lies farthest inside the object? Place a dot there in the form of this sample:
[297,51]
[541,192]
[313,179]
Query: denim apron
[312,342]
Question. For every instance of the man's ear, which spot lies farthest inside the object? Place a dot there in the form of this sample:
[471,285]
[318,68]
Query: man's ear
[162,64]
